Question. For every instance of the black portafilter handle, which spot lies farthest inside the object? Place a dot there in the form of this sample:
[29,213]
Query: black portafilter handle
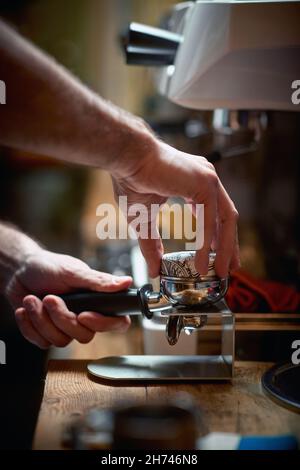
[126,302]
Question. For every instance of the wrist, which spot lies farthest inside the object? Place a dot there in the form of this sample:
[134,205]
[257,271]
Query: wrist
[124,140]
[16,250]
[138,149]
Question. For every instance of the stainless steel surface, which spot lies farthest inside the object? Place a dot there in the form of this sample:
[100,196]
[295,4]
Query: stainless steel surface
[161,368]
[193,293]
[174,367]
[182,284]
[186,300]
[188,323]
[173,329]
[185,295]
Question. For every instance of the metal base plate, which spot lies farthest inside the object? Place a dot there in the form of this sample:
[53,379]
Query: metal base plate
[161,368]
[281,382]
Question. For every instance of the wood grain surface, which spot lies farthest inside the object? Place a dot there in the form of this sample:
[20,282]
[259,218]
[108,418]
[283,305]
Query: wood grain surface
[238,407]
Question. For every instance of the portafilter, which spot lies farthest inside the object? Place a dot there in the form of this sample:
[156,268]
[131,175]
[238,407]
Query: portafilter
[185,296]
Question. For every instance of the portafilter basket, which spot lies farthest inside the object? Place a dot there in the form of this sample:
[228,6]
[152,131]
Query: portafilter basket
[182,284]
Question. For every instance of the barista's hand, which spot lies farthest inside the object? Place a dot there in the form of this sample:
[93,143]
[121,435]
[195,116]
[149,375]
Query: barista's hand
[162,171]
[48,322]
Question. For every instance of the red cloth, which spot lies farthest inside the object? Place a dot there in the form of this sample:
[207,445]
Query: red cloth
[247,294]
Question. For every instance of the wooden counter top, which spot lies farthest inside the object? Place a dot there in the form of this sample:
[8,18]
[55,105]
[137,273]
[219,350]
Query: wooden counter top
[238,407]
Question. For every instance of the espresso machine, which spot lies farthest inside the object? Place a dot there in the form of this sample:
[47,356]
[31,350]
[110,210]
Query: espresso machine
[209,55]
[234,55]
[239,57]
[186,302]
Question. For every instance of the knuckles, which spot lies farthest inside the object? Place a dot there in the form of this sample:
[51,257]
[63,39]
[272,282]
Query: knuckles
[213,179]
[51,302]
[234,215]
[212,182]
[210,166]
[69,272]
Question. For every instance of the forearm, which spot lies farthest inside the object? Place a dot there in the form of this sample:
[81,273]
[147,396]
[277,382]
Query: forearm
[15,247]
[50,112]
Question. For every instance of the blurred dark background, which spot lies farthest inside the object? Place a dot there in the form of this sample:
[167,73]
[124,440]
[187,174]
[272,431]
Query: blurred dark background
[56,203]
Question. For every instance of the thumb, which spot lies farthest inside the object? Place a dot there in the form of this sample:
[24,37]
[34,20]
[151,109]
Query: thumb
[99,281]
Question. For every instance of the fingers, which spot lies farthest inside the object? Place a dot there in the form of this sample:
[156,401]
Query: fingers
[86,278]
[52,322]
[49,322]
[193,178]
[210,227]
[83,326]
[235,261]
[43,323]
[148,235]
[152,250]
[220,223]
[100,323]
[105,282]
[66,321]
[227,245]
[220,229]
[28,330]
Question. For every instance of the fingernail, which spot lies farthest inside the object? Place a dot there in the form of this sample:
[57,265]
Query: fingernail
[122,278]
[49,304]
[30,305]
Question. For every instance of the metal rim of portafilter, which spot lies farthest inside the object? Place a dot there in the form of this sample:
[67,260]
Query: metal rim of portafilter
[188,291]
